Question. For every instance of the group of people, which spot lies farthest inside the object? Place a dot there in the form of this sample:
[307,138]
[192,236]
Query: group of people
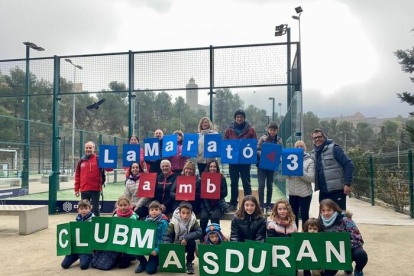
[328,167]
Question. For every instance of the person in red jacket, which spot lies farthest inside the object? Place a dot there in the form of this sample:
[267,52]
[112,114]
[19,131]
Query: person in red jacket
[239,129]
[88,177]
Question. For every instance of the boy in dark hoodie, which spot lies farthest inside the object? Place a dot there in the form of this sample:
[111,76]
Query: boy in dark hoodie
[184,229]
[155,215]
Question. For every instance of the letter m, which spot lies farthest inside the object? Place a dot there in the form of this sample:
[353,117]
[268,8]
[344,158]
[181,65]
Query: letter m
[187,188]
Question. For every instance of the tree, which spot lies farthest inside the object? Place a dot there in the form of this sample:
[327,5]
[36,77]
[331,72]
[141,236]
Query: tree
[225,104]
[364,132]
[391,130]
[406,60]
[310,123]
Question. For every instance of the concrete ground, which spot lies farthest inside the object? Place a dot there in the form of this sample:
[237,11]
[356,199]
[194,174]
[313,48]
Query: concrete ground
[388,240]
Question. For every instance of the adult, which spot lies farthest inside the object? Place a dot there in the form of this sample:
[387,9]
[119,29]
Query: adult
[333,169]
[133,140]
[213,209]
[178,161]
[155,166]
[300,187]
[164,182]
[132,183]
[239,129]
[205,126]
[89,177]
[266,177]
[189,170]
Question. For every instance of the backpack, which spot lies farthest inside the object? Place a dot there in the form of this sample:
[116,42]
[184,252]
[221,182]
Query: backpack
[105,260]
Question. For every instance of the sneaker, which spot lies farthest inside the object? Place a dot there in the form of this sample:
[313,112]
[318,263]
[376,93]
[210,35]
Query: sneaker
[348,272]
[358,273]
[268,210]
[140,268]
[189,268]
[231,209]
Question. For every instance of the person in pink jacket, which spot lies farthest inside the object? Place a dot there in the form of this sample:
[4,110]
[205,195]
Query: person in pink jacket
[177,161]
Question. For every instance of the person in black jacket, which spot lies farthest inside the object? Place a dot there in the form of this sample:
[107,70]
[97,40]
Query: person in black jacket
[248,222]
[184,229]
[188,170]
[213,209]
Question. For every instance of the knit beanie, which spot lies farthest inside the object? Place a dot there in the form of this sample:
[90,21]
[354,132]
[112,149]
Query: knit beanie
[240,112]
[213,228]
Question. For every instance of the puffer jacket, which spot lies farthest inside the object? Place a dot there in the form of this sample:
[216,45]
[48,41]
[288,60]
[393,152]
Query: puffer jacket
[249,228]
[163,189]
[131,187]
[194,231]
[246,133]
[301,185]
[200,154]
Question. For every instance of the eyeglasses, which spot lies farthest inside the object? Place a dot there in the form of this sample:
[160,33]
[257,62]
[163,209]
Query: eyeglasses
[318,138]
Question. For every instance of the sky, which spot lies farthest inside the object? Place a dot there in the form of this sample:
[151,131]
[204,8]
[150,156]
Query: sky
[347,46]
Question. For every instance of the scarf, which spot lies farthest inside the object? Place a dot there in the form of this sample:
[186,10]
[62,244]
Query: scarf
[329,222]
[282,222]
[156,219]
[85,218]
[134,177]
[120,214]
[183,226]
[239,126]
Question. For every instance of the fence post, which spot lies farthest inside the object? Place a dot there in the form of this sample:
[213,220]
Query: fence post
[371,173]
[81,146]
[410,181]
[115,171]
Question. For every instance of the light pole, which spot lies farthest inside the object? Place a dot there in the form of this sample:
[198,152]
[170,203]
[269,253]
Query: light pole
[139,103]
[73,111]
[273,108]
[25,171]
[299,11]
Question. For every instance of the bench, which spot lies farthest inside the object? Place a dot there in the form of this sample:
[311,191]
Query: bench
[32,218]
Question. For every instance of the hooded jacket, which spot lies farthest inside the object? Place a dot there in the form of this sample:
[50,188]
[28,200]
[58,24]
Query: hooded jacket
[193,231]
[88,177]
[246,133]
[302,185]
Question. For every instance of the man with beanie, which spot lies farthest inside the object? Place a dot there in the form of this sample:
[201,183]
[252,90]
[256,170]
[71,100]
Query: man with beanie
[239,129]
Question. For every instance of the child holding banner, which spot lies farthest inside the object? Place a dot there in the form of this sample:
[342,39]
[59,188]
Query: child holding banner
[205,127]
[84,214]
[312,225]
[267,175]
[184,229]
[282,221]
[155,215]
[248,222]
[178,161]
[333,219]
[131,184]
[213,209]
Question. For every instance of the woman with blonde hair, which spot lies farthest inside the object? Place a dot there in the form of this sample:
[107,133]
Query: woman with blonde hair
[300,187]
[205,126]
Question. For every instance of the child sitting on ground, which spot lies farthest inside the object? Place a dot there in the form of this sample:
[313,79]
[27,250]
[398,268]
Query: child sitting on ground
[84,214]
[282,221]
[312,225]
[184,229]
[214,235]
[155,215]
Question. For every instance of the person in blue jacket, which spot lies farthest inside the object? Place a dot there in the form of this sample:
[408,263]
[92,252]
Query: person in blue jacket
[333,169]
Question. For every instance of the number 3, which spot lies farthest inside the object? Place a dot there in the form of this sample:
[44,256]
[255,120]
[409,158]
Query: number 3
[293,162]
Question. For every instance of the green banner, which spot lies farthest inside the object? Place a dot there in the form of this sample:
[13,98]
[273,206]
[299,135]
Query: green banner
[143,237]
[172,257]
[233,258]
[209,256]
[337,251]
[99,237]
[308,250]
[260,258]
[80,232]
[63,244]
[119,234]
[283,256]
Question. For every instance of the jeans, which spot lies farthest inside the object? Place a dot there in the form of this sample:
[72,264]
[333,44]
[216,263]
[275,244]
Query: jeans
[337,196]
[190,249]
[125,260]
[304,204]
[265,176]
[84,259]
[93,197]
[236,171]
[151,264]
[359,256]
[214,217]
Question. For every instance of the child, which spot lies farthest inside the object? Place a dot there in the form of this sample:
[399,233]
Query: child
[131,184]
[265,177]
[312,225]
[106,260]
[248,222]
[213,209]
[184,229]
[214,235]
[84,214]
[333,219]
[282,221]
[158,217]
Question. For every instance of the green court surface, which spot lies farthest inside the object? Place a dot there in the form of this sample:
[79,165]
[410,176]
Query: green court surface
[112,191]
